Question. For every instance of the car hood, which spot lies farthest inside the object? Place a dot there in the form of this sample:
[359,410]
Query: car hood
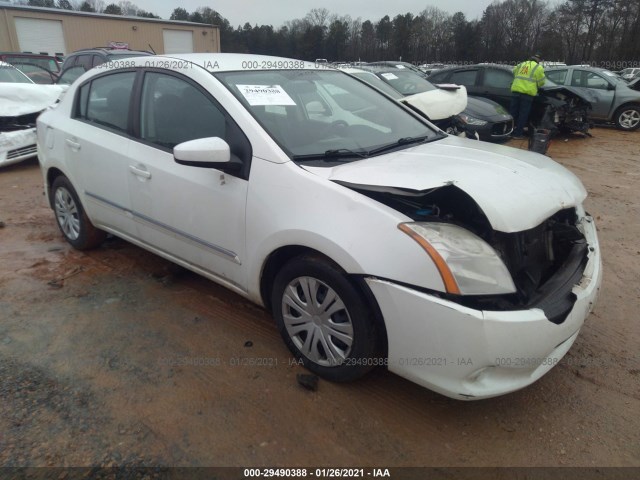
[516,189]
[583,94]
[486,109]
[24,98]
[439,104]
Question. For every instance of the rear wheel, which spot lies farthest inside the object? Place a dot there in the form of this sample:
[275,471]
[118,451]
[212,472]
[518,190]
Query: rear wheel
[324,319]
[628,117]
[71,217]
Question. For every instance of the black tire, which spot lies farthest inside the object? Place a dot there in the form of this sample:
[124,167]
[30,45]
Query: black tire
[71,218]
[349,362]
[627,117]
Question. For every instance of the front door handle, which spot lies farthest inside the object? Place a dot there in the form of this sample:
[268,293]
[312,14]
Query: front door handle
[75,146]
[140,172]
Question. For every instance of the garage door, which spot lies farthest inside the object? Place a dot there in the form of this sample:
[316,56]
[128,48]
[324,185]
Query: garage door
[178,41]
[40,36]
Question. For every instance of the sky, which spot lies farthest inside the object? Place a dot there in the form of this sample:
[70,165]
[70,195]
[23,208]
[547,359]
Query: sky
[276,12]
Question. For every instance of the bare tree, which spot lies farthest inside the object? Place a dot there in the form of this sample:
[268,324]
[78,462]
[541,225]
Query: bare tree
[128,8]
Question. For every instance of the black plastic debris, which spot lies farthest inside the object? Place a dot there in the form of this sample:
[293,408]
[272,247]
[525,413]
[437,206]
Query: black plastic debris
[310,382]
[248,343]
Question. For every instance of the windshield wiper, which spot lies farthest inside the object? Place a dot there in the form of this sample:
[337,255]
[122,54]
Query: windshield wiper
[401,141]
[335,155]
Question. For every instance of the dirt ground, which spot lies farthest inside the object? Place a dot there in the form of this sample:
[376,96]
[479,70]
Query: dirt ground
[116,357]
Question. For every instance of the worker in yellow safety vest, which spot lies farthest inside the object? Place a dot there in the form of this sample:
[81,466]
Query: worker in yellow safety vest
[528,76]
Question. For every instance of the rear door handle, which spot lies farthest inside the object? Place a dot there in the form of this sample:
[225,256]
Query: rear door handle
[140,172]
[75,146]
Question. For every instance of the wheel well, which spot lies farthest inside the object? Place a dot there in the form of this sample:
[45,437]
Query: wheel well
[52,174]
[626,105]
[281,256]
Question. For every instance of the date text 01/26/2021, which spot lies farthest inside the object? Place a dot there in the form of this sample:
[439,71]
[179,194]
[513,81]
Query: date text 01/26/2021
[316,473]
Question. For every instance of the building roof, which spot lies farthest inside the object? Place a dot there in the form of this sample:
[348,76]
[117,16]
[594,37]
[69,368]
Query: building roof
[61,11]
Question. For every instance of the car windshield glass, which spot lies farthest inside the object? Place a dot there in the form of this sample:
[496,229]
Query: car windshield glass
[612,77]
[42,62]
[325,113]
[406,82]
[9,74]
[372,79]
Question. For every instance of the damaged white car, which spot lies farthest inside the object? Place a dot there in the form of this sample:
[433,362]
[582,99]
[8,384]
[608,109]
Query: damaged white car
[375,239]
[21,101]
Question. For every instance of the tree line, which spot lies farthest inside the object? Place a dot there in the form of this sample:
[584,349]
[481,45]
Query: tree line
[601,32]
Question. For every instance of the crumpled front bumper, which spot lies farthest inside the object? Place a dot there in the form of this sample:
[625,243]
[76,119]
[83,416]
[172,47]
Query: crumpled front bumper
[17,145]
[472,354]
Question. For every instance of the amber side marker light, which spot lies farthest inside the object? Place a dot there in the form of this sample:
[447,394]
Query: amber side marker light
[448,279]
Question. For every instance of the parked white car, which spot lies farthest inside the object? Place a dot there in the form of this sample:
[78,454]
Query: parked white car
[372,237]
[21,101]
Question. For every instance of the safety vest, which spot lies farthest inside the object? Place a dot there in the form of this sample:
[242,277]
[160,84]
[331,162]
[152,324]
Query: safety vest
[529,76]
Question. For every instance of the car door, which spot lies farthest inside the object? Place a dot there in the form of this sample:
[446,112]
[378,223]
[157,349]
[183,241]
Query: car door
[96,144]
[593,84]
[189,214]
[496,85]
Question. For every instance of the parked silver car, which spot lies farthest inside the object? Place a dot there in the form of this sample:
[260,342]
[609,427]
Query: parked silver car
[615,100]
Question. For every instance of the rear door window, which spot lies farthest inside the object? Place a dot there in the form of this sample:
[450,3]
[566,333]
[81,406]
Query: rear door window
[497,78]
[464,77]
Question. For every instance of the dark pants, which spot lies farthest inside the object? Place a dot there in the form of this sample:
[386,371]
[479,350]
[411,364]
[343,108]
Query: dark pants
[520,108]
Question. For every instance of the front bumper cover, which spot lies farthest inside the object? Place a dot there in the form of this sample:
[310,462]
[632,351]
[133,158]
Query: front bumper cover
[466,353]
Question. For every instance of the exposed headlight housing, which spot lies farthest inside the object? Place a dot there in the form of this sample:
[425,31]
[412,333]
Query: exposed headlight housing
[467,264]
[469,120]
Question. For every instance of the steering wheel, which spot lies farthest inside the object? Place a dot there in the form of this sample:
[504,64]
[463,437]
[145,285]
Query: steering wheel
[337,127]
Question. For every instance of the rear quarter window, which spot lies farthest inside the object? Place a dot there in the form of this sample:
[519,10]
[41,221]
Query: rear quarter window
[105,101]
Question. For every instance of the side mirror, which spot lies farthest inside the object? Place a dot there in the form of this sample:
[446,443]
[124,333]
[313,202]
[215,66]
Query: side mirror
[210,152]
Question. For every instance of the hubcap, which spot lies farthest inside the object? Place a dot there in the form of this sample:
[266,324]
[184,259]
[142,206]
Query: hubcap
[317,321]
[67,213]
[630,118]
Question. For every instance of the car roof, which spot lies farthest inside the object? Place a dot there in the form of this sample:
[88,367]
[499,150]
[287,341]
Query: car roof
[107,50]
[214,63]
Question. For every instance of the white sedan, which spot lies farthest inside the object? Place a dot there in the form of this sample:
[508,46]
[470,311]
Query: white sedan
[373,237]
[21,101]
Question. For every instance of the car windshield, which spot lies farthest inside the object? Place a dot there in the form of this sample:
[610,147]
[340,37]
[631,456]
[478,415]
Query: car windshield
[325,115]
[613,78]
[9,74]
[406,82]
[372,79]
[42,62]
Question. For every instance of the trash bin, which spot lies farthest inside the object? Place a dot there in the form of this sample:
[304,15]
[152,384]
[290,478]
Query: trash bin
[539,141]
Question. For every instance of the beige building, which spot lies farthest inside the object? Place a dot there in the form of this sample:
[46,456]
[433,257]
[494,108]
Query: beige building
[59,32]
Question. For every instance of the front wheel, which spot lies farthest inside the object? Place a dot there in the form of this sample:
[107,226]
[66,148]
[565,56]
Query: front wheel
[324,319]
[71,217]
[628,117]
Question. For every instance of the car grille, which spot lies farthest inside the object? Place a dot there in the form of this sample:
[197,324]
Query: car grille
[502,128]
[20,152]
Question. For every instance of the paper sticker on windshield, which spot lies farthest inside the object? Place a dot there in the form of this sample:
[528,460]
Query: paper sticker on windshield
[265,95]
[400,66]
[389,76]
